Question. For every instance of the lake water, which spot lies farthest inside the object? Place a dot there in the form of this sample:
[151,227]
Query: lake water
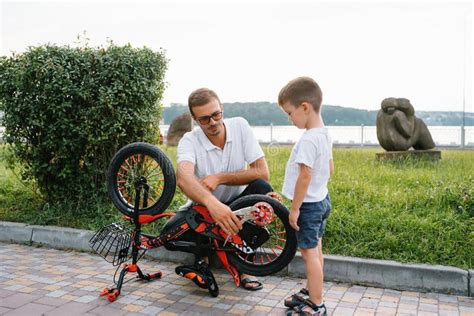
[351,135]
[355,135]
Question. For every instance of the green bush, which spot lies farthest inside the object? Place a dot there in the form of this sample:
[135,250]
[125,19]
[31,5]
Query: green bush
[68,110]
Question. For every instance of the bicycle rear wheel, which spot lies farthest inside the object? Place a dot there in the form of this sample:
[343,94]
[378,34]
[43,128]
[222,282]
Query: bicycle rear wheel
[141,160]
[280,243]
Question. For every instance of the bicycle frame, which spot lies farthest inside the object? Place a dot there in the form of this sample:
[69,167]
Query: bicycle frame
[141,184]
[144,242]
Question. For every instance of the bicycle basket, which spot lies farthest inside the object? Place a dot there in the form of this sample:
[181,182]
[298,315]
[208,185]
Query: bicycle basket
[112,242]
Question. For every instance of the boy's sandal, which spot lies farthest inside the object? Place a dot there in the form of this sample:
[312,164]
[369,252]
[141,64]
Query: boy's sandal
[308,308]
[244,283]
[297,299]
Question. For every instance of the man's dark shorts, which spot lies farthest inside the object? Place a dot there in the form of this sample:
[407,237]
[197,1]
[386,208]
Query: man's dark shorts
[312,222]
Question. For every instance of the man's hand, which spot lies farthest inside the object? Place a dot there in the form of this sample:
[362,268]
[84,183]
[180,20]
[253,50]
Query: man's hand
[293,219]
[224,217]
[211,182]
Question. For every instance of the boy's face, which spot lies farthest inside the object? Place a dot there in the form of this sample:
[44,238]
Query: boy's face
[297,115]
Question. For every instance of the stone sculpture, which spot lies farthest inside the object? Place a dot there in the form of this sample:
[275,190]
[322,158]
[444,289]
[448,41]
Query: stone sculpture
[180,125]
[398,128]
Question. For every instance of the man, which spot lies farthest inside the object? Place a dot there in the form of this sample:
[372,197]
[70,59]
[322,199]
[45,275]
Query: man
[212,164]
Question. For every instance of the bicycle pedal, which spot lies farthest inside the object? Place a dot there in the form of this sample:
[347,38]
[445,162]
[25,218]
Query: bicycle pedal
[112,296]
[153,276]
[105,292]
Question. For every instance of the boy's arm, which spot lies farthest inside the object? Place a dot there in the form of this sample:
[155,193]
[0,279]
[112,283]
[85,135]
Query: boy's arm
[331,167]
[301,186]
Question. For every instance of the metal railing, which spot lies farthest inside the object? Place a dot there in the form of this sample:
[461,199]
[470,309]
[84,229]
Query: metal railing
[444,136]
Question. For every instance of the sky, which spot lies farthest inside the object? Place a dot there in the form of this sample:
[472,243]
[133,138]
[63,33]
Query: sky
[358,52]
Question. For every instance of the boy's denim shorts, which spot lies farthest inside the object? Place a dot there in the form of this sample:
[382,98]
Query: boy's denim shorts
[312,222]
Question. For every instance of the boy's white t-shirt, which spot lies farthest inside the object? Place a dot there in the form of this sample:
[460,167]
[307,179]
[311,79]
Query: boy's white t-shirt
[314,149]
[241,149]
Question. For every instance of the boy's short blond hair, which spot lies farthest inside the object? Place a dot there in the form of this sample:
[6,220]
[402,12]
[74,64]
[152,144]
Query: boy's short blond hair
[200,97]
[301,89]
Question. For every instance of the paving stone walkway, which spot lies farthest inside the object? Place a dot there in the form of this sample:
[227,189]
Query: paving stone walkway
[41,281]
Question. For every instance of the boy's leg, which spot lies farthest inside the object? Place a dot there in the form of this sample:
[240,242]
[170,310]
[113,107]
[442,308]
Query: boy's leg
[314,273]
[320,254]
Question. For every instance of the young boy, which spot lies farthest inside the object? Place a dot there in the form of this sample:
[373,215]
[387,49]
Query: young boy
[306,177]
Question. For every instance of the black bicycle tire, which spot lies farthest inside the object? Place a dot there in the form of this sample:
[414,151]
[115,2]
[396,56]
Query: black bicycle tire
[165,165]
[287,253]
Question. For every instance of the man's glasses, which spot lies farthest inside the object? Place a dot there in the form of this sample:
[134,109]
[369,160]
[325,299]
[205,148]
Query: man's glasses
[204,120]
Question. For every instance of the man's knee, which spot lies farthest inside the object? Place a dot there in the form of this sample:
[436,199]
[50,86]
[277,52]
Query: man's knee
[260,186]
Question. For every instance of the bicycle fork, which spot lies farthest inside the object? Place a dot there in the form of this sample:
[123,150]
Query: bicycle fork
[113,293]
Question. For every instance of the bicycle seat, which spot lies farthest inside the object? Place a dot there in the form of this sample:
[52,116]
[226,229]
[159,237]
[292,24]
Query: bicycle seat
[201,275]
[178,218]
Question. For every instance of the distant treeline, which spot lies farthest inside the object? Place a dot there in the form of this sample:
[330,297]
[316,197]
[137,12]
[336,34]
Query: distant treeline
[266,113]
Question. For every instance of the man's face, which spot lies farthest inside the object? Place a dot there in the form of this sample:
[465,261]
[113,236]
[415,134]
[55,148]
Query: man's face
[209,117]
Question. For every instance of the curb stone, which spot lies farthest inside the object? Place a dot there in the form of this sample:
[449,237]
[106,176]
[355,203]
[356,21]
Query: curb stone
[173,256]
[471,283]
[61,237]
[392,274]
[368,272]
[15,232]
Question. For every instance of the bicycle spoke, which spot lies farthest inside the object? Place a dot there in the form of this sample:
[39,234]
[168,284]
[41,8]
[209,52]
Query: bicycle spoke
[135,166]
[157,165]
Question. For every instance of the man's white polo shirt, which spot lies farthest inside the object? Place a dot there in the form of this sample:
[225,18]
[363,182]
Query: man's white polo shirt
[241,148]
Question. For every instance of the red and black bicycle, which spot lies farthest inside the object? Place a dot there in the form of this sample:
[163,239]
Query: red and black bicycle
[141,184]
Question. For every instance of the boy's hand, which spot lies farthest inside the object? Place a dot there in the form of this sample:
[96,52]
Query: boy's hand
[294,214]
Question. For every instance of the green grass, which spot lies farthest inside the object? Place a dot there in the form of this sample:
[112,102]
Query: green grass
[412,211]
[417,211]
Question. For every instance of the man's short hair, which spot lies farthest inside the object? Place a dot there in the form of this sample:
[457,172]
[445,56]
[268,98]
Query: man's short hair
[301,89]
[200,97]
